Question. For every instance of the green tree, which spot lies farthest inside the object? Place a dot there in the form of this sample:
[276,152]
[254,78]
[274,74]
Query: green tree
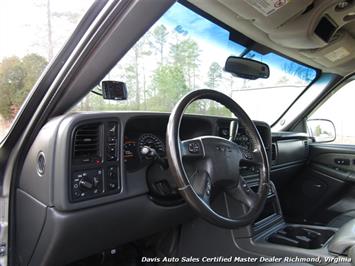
[159,37]
[12,77]
[17,77]
[186,55]
[170,84]
[214,76]
[135,75]
[33,65]
[131,81]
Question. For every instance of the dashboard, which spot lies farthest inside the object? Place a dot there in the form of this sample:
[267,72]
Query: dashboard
[96,158]
[92,175]
[88,174]
[104,177]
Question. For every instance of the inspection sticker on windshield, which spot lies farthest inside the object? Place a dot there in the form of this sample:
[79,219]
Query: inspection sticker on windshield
[267,7]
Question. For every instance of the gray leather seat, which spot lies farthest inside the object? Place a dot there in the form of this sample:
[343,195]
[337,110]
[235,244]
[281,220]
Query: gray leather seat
[342,219]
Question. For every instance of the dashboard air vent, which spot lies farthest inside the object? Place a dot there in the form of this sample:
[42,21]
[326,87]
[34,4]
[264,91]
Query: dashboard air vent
[86,142]
[273,152]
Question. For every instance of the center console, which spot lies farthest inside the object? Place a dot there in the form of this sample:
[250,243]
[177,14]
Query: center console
[271,213]
[270,235]
[301,236]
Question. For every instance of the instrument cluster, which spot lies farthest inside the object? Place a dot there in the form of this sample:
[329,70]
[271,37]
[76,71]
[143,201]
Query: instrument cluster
[139,150]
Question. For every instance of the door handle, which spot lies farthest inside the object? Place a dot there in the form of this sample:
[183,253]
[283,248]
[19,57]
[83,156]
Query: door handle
[335,173]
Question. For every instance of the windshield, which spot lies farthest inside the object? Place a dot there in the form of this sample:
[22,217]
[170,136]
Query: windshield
[184,51]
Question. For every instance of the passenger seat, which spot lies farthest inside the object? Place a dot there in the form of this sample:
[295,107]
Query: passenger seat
[342,219]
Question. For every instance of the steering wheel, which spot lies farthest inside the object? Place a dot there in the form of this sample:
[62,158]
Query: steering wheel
[214,162]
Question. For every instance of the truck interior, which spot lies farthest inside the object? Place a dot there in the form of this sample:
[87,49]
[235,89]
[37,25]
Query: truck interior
[196,131]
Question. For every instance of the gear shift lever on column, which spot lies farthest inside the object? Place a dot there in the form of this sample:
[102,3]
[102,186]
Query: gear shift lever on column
[233,130]
[149,152]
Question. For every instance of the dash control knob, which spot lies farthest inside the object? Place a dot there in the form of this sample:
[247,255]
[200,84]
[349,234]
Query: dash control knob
[85,184]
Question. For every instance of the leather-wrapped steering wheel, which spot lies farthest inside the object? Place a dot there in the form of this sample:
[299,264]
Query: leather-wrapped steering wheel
[215,162]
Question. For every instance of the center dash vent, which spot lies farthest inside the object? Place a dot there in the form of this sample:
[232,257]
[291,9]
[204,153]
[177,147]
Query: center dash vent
[86,142]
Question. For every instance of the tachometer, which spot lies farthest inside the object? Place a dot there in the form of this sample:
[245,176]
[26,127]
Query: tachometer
[151,141]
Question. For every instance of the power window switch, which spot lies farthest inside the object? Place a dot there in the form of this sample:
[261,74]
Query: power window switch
[342,161]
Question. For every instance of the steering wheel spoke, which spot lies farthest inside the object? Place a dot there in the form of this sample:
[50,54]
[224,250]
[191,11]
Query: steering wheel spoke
[252,157]
[202,184]
[243,193]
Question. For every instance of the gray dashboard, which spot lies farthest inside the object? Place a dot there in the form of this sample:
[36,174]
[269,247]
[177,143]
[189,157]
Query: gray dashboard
[110,217]
[52,187]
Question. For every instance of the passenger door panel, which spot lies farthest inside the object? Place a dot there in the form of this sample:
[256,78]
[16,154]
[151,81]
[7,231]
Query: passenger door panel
[326,187]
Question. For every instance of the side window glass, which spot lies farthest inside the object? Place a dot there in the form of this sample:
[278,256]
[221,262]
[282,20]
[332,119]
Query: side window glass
[32,33]
[340,109]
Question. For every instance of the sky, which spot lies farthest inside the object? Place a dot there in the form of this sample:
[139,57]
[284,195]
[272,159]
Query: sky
[23,25]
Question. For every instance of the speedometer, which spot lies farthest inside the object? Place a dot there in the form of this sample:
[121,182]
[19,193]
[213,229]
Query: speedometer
[151,141]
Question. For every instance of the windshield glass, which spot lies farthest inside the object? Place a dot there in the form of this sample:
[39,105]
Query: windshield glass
[184,51]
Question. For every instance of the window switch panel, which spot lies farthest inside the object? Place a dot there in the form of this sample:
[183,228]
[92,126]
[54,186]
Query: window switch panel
[342,161]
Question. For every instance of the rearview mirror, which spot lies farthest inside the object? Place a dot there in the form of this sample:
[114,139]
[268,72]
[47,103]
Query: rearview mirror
[246,68]
[322,130]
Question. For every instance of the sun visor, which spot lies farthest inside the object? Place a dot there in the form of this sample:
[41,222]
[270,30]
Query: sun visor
[267,15]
